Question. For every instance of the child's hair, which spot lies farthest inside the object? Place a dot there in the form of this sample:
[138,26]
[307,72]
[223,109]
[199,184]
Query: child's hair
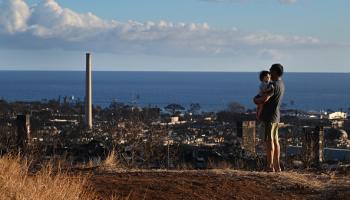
[263,74]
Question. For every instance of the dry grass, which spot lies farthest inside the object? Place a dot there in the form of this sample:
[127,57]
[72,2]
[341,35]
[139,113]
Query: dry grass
[184,166]
[111,163]
[224,165]
[16,182]
[294,180]
[112,181]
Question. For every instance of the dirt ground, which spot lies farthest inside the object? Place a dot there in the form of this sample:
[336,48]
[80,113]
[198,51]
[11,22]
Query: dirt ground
[219,184]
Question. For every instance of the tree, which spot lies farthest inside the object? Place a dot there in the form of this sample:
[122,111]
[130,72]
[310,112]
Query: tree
[236,107]
[194,108]
[174,108]
[115,105]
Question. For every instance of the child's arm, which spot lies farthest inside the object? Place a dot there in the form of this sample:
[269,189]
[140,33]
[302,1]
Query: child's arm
[261,99]
[269,90]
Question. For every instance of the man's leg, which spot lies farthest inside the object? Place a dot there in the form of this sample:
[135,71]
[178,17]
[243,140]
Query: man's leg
[277,150]
[269,146]
[270,155]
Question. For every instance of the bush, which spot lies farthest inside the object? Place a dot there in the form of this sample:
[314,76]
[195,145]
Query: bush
[17,182]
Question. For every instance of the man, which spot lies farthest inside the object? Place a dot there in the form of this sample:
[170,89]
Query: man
[270,118]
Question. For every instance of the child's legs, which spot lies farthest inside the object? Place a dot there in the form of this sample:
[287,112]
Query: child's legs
[259,110]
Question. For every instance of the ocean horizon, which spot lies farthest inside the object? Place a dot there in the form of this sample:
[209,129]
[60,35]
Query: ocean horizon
[212,90]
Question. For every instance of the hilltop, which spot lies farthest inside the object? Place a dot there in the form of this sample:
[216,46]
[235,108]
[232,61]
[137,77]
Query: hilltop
[19,180]
[219,184]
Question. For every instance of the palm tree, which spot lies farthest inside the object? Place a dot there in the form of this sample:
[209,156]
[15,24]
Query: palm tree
[194,108]
[236,107]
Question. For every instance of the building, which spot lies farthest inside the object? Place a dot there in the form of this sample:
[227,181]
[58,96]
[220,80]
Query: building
[313,145]
[337,116]
[247,131]
[23,131]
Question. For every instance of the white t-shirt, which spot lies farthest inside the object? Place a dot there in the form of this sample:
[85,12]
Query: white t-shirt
[264,86]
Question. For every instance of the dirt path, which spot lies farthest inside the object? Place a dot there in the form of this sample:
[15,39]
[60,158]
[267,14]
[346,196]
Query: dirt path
[219,184]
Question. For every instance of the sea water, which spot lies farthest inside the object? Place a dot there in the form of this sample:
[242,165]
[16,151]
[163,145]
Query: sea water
[212,90]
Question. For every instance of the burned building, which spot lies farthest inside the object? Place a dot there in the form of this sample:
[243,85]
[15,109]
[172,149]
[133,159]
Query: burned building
[23,131]
[247,131]
[313,145]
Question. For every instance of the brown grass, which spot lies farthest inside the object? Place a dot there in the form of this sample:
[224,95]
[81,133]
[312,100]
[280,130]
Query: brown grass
[110,180]
[224,165]
[16,182]
[111,163]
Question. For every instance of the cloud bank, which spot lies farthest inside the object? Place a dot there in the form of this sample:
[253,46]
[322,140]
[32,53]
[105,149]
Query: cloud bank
[50,26]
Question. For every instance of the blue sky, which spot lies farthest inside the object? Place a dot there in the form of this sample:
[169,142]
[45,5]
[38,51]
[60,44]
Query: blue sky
[175,35]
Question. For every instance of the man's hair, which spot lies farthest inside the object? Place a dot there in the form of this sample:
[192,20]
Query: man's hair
[278,68]
[263,74]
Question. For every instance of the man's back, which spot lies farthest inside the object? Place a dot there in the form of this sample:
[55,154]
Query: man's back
[271,110]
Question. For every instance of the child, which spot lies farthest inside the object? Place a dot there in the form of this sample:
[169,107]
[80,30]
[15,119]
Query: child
[265,89]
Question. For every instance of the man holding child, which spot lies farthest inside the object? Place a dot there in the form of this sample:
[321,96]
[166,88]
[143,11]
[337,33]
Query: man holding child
[269,115]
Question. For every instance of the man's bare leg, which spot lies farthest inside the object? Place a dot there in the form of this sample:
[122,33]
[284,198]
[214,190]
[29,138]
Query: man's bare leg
[270,155]
[276,156]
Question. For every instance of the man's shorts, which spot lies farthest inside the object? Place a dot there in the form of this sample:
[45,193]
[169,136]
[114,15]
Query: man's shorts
[270,131]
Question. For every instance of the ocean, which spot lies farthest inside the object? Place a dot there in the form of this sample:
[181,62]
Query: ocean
[212,90]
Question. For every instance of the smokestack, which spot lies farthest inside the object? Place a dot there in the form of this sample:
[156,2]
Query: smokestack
[88,93]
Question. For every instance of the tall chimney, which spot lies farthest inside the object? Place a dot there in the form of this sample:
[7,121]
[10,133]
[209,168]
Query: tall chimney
[88,93]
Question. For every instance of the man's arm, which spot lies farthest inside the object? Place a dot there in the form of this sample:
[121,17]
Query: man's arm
[267,95]
[260,100]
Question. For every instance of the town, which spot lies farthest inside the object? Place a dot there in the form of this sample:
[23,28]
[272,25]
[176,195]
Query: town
[173,137]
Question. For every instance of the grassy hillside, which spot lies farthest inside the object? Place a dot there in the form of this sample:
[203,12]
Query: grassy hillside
[108,181]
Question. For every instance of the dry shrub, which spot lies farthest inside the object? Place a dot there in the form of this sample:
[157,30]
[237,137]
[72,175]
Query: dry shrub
[16,182]
[94,162]
[304,180]
[184,166]
[111,162]
[219,165]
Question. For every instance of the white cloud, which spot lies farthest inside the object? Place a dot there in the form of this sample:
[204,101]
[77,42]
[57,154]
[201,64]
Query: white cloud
[271,54]
[49,26]
[50,20]
[14,15]
[266,38]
